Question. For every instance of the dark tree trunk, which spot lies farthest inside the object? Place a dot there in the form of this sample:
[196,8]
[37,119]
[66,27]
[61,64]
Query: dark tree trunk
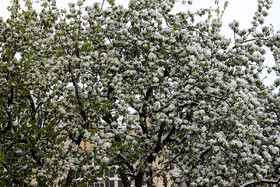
[151,158]
[139,179]
[125,180]
[150,176]
[69,178]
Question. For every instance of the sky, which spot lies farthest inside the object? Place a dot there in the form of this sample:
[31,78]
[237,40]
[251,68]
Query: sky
[242,10]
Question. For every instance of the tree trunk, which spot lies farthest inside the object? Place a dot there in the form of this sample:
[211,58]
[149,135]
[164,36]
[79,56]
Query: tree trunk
[69,178]
[125,180]
[139,179]
[150,181]
[150,173]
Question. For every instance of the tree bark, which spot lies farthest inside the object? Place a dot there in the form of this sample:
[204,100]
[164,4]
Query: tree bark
[125,180]
[139,179]
[150,181]
[69,178]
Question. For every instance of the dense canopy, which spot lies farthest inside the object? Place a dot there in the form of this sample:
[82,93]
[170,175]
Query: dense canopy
[155,94]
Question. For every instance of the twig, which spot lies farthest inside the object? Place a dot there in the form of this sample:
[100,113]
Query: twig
[102,4]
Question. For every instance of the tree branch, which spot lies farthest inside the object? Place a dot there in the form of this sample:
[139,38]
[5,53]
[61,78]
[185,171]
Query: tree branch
[263,181]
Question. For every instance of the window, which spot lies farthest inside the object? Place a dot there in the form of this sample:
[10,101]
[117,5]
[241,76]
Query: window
[108,174]
[114,180]
[110,183]
[114,183]
[97,185]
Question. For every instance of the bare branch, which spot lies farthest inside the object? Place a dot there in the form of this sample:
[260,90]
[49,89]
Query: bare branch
[263,181]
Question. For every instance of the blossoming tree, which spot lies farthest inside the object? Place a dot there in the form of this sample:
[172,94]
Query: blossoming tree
[156,94]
